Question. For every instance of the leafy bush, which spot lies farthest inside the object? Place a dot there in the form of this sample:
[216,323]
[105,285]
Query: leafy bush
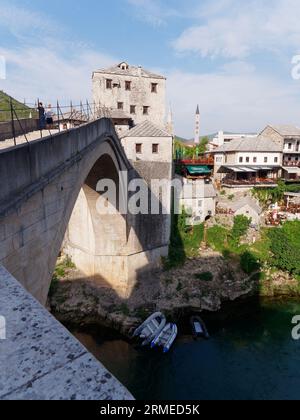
[185,241]
[285,247]
[206,276]
[60,272]
[240,228]
[293,188]
[267,196]
[249,263]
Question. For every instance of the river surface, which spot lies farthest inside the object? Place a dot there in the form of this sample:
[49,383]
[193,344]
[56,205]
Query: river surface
[251,355]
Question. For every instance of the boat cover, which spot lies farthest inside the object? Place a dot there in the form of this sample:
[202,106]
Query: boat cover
[198,328]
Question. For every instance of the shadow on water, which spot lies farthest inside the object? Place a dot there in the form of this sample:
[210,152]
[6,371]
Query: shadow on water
[250,356]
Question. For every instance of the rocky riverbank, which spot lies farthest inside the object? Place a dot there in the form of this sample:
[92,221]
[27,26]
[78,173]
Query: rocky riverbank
[202,284]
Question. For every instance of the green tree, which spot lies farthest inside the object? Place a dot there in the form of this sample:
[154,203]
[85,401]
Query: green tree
[249,263]
[285,247]
[240,228]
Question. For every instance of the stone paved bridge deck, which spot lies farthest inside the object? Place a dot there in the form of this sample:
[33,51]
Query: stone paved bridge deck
[41,360]
[34,135]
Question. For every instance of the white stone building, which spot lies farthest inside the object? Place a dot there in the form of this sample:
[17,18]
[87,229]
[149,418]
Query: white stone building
[247,206]
[148,143]
[247,162]
[198,197]
[139,93]
[288,138]
[223,138]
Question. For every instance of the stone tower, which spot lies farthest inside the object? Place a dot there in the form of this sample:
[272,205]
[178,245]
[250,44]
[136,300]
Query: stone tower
[132,91]
[197,126]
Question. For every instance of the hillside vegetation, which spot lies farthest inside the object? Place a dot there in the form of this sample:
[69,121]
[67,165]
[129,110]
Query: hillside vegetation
[277,250]
[22,110]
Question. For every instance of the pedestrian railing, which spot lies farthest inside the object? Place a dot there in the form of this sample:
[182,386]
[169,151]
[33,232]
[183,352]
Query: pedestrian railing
[16,122]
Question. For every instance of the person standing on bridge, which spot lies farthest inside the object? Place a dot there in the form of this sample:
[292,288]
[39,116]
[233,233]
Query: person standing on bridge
[42,118]
[49,116]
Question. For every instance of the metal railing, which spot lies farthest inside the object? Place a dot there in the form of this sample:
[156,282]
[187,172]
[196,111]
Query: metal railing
[18,122]
[196,161]
[291,164]
[250,181]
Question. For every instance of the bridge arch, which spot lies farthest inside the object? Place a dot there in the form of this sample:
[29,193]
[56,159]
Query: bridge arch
[47,197]
[40,184]
[97,242]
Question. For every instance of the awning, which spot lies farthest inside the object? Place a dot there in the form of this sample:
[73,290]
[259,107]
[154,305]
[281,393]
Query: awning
[239,169]
[253,169]
[292,170]
[198,170]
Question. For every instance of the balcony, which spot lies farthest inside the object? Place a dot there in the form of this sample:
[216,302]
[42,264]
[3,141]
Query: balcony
[249,183]
[200,161]
[291,164]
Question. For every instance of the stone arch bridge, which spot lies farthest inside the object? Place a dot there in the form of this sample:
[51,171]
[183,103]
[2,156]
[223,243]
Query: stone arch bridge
[47,201]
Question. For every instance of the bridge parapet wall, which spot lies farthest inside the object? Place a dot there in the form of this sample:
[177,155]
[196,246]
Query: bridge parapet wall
[27,165]
[41,360]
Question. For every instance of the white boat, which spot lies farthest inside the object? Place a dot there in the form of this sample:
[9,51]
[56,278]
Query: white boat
[166,337]
[150,328]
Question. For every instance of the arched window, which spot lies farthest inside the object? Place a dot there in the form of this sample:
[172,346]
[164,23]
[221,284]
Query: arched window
[123,66]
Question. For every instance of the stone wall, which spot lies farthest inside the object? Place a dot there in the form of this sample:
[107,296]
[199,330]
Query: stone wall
[165,149]
[273,135]
[40,184]
[140,95]
[25,125]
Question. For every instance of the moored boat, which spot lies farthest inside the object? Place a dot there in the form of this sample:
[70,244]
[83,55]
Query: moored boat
[150,328]
[199,327]
[166,337]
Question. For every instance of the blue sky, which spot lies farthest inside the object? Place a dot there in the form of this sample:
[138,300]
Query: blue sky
[232,57]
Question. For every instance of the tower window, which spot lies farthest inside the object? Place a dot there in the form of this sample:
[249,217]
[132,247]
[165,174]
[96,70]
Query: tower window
[255,160]
[123,66]
[276,160]
[120,105]
[241,160]
[127,85]
[266,160]
[155,148]
[138,148]
[108,84]
[154,87]
[132,109]
[146,110]
[247,159]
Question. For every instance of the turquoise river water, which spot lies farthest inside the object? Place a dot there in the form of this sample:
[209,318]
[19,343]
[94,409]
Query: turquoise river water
[251,355]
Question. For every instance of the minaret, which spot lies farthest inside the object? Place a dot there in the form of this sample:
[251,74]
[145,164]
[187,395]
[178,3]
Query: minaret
[170,125]
[197,126]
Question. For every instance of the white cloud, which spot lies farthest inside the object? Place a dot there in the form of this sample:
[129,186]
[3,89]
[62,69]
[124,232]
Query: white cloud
[235,29]
[27,25]
[154,12]
[234,98]
[47,62]
[243,102]
[40,72]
